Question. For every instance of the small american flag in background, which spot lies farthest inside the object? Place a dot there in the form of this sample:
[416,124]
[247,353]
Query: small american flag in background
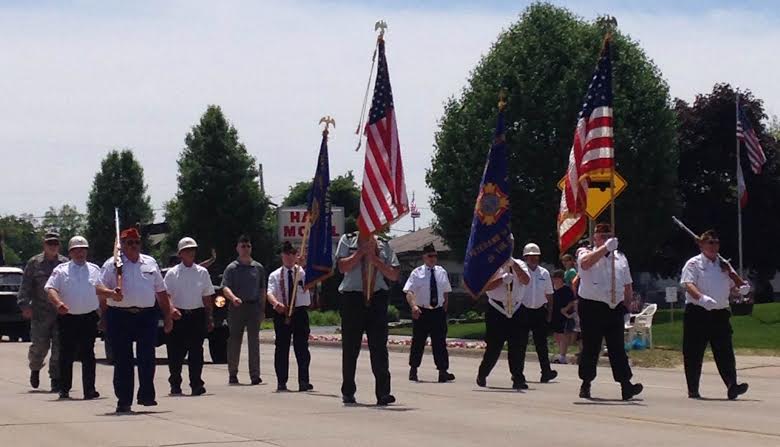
[383,198]
[747,136]
[592,150]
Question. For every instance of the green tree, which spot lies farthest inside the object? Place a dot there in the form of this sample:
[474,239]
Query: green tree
[544,61]
[219,197]
[118,184]
[20,238]
[708,185]
[67,220]
[343,192]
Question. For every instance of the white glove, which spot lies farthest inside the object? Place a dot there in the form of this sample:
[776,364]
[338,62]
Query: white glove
[707,302]
[612,244]
[744,289]
[508,278]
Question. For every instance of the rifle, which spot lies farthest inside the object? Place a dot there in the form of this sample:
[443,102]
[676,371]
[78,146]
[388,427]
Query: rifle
[117,252]
[724,263]
[297,277]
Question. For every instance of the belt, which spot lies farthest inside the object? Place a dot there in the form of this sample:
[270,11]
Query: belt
[132,310]
[190,311]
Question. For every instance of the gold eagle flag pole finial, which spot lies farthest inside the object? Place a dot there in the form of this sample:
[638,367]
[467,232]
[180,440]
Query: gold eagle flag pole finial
[329,121]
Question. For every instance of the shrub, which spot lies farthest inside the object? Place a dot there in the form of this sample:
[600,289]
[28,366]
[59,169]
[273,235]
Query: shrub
[393,314]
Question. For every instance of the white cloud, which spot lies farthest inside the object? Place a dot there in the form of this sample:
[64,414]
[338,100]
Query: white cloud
[78,82]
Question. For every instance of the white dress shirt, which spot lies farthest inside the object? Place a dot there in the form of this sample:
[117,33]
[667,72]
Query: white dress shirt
[708,277]
[539,286]
[499,297]
[75,284]
[188,285]
[596,282]
[419,283]
[140,281]
[279,286]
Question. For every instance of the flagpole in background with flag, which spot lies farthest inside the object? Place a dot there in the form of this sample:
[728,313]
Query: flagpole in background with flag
[383,198]
[490,241]
[755,154]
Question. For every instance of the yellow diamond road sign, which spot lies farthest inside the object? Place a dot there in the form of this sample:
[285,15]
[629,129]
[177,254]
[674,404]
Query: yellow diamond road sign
[598,192]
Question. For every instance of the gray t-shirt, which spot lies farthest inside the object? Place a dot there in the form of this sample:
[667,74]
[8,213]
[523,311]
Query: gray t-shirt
[247,281]
[353,280]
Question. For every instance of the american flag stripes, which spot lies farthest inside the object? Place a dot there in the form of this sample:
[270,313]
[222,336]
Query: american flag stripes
[748,137]
[592,150]
[383,198]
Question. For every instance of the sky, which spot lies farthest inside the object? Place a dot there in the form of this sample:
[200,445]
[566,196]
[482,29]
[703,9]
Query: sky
[81,78]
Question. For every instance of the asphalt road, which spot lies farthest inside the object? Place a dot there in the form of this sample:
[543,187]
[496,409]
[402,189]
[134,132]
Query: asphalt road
[427,413]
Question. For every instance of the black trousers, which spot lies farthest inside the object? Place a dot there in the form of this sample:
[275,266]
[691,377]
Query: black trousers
[534,321]
[433,323]
[77,339]
[499,330]
[358,318]
[702,326]
[186,340]
[298,329]
[598,322]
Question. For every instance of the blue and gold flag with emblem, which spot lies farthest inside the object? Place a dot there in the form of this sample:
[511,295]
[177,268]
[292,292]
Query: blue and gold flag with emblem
[319,245]
[490,242]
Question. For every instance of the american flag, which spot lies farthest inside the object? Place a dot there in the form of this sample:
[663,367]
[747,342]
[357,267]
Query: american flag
[592,150]
[383,199]
[747,136]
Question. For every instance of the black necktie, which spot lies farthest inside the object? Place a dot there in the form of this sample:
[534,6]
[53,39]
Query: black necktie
[289,286]
[434,290]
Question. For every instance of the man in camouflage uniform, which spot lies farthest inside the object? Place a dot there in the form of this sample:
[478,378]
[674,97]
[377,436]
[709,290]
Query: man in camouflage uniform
[36,306]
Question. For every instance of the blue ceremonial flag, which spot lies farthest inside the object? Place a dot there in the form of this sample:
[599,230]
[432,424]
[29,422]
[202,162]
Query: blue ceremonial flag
[490,242]
[319,244]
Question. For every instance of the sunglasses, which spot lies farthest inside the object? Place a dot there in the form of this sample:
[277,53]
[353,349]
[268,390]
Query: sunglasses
[712,242]
[52,243]
[132,242]
[245,246]
[431,255]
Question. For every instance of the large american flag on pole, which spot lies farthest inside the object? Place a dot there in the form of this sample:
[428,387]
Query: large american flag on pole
[383,198]
[748,137]
[592,150]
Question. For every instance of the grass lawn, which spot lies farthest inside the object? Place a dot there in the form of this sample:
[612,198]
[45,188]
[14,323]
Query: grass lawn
[757,334]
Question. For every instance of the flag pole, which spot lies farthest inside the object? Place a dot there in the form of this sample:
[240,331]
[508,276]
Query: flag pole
[739,204]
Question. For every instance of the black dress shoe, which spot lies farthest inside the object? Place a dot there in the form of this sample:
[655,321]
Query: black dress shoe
[64,395]
[519,385]
[736,390]
[176,391]
[548,376]
[385,400]
[306,386]
[233,380]
[413,374]
[585,390]
[55,386]
[348,399]
[694,395]
[199,391]
[147,403]
[281,387]
[256,381]
[35,379]
[481,382]
[123,409]
[629,390]
[89,395]
[445,376]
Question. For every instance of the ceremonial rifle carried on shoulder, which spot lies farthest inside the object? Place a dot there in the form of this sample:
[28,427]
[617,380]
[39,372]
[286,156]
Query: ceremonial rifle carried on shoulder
[724,263]
[117,252]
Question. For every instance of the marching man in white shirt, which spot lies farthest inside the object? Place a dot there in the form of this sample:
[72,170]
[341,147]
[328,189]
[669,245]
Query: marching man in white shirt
[281,284]
[426,292]
[707,288]
[536,313]
[601,310]
[191,291]
[502,321]
[71,289]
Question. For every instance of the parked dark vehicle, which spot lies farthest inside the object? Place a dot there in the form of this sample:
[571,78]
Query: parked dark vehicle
[12,323]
